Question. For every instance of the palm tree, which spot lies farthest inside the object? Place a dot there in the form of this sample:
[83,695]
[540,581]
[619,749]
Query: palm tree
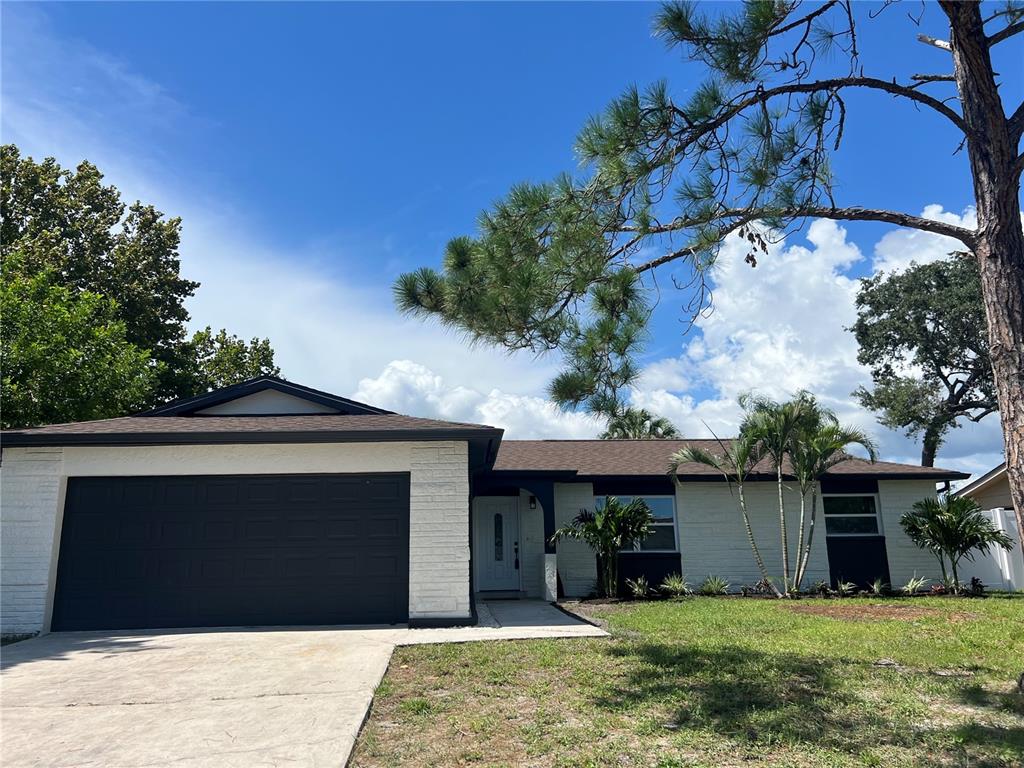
[820,443]
[638,424]
[952,527]
[613,527]
[773,427]
[734,461]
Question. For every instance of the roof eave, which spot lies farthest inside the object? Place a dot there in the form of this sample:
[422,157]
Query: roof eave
[27,439]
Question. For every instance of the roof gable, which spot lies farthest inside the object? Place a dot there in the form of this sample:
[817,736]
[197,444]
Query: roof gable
[265,396]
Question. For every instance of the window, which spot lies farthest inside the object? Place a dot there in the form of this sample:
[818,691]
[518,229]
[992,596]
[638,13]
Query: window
[850,515]
[499,537]
[663,526]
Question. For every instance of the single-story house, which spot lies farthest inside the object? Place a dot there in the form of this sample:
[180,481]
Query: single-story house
[996,567]
[270,503]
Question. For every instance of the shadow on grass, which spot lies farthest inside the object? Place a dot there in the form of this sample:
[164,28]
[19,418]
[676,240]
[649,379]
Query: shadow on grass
[753,697]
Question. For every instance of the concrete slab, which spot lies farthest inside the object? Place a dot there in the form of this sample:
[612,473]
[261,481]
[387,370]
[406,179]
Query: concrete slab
[236,697]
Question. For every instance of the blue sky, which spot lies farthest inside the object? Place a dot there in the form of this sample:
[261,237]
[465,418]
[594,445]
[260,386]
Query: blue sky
[317,150]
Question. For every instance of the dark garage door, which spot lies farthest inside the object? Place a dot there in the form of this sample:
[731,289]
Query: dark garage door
[140,552]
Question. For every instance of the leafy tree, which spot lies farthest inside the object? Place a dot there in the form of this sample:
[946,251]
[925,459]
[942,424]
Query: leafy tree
[608,530]
[223,359]
[569,264]
[952,528]
[638,424]
[66,356]
[929,320]
[70,226]
[71,223]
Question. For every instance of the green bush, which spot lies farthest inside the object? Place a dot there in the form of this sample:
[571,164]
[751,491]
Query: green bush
[675,585]
[714,585]
[638,588]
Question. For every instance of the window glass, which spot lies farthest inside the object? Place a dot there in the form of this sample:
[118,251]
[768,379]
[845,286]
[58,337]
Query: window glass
[663,527]
[499,537]
[848,525]
[849,505]
[661,537]
[850,515]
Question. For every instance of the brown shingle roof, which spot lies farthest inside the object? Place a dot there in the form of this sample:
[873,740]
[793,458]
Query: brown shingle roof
[226,429]
[651,457]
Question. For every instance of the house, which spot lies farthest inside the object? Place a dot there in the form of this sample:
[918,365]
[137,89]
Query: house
[270,503]
[996,567]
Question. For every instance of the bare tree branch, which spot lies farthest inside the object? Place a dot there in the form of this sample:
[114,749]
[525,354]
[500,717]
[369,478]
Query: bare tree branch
[1007,31]
[1015,124]
[933,78]
[942,45]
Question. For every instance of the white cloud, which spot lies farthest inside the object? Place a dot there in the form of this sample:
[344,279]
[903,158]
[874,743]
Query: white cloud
[781,327]
[896,249]
[409,387]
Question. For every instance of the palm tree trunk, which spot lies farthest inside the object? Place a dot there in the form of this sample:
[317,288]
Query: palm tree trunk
[800,540]
[782,528]
[753,543]
[805,556]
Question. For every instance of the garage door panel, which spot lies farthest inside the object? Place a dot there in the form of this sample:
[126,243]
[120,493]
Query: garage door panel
[239,550]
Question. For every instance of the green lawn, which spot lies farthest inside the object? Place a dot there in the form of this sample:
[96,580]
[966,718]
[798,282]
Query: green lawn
[720,682]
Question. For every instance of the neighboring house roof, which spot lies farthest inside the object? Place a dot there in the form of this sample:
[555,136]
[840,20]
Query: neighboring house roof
[328,418]
[651,457]
[993,477]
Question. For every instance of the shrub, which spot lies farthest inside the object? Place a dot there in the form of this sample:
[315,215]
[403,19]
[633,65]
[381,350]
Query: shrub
[638,588]
[675,585]
[952,528]
[915,585]
[878,588]
[821,588]
[608,529]
[714,585]
[977,587]
[846,588]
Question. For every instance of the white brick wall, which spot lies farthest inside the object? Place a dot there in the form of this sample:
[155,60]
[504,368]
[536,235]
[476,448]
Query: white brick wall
[713,540]
[31,493]
[905,559]
[439,531]
[577,565]
[32,483]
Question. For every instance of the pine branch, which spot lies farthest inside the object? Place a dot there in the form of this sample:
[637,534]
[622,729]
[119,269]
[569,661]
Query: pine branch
[739,216]
[762,96]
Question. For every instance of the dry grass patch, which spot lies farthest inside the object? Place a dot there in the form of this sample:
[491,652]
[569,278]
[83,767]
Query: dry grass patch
[853,609]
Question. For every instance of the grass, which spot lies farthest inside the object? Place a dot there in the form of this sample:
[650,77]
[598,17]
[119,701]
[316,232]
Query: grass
[720,682]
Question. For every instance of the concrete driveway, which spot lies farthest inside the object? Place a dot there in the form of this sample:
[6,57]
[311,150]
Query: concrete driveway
[246,697]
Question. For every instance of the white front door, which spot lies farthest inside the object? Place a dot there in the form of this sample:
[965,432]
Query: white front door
[496,538]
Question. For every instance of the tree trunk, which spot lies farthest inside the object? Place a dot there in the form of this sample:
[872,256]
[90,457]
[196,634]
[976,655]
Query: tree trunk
[753,543]
[782,530]
[930,446]
[992,152]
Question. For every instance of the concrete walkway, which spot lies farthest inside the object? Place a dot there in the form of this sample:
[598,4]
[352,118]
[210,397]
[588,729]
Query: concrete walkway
[235,697]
